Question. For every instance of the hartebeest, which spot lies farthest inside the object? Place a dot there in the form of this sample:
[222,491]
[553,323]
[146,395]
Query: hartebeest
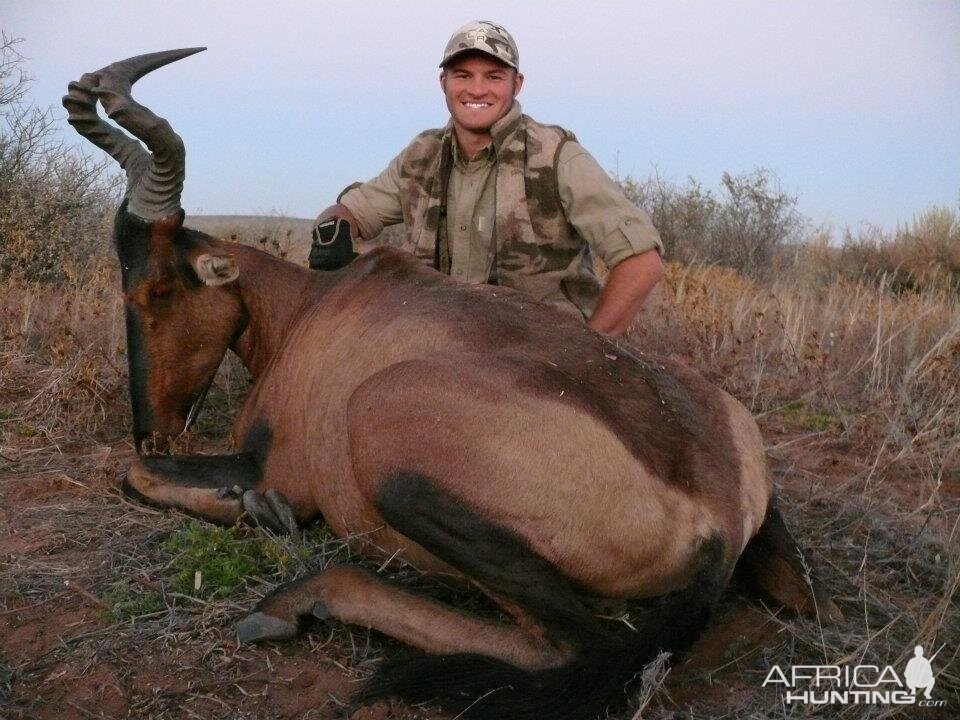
[469,430]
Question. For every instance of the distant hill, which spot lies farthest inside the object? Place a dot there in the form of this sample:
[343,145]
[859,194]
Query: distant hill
[288,237]
[285,236]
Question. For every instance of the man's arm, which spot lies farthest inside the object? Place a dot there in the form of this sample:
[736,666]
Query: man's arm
[364,208]
[618,232]
[369,206]
[627,287]
[343,212]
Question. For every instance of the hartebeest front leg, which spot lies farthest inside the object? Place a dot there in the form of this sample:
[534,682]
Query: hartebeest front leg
[356,596]
[219,488]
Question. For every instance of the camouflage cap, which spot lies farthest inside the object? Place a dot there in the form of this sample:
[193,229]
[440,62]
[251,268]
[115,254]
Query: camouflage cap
[487,37]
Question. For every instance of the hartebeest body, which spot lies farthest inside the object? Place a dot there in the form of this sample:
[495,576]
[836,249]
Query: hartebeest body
[465,429]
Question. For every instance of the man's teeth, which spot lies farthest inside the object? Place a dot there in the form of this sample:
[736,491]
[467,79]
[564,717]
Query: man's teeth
[477,105]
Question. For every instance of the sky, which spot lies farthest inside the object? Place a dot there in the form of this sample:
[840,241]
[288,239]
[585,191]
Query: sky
[854,105]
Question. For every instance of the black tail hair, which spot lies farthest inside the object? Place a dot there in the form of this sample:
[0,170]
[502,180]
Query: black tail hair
[773,564]
[607,658]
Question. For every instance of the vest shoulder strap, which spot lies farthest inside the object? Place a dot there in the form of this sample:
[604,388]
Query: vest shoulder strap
[561,136]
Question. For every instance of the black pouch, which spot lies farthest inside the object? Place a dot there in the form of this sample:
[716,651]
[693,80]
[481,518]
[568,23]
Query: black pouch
[332,248]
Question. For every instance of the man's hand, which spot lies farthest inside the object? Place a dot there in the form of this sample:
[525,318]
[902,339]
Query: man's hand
[627,287]
[340,211]
[333,234]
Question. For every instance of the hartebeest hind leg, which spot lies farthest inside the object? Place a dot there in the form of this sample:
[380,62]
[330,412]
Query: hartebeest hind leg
[219,488]
[358,597]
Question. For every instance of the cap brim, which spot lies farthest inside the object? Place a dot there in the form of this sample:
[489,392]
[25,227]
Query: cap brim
[447,60]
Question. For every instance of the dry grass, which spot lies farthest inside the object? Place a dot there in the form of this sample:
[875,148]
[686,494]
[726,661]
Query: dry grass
[855,387]
[853,355]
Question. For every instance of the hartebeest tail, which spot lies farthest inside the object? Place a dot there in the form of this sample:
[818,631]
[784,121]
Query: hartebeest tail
[773,564]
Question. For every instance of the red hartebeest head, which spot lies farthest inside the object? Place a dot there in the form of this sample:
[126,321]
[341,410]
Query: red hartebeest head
[182,309]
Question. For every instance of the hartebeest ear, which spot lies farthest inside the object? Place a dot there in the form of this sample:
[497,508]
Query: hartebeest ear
[216,269]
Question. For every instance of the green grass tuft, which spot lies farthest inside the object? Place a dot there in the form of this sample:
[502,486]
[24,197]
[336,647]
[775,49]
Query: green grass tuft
[131,601]
[797,412]
[224,557]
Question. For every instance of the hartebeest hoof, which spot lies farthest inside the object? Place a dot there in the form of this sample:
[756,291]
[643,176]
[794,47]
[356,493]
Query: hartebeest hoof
[320,611]
[278,616]
[281,508]
[259,626]
[270,510]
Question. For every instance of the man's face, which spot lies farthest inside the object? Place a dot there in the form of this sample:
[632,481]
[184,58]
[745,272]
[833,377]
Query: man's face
[479,91]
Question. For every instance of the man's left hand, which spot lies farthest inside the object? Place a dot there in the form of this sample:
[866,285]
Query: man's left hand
[627,287]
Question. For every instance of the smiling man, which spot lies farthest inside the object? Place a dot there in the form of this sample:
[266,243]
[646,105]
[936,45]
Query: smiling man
[496,197]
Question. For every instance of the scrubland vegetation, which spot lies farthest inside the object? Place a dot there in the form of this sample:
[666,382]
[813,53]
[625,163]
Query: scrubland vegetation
[845,345]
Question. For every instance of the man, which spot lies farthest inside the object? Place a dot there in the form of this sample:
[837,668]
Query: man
[497,197]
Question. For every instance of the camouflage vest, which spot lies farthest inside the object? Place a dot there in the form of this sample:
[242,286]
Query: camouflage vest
[538,251]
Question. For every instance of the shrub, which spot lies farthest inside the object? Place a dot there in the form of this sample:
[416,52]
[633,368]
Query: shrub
[742,228]
[53,201]
[923,255]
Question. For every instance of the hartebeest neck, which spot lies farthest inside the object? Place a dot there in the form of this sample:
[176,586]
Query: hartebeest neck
[273,292]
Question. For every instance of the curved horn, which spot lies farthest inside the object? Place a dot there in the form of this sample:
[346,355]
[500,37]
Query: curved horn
[154,179]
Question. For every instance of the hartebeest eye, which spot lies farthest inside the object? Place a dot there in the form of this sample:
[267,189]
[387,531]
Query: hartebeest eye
[216,269]
[161,291]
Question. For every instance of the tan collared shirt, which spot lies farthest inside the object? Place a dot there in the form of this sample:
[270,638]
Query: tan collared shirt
[592,202]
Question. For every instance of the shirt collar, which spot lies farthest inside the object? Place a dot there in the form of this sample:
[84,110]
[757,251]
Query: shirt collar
[485,154]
